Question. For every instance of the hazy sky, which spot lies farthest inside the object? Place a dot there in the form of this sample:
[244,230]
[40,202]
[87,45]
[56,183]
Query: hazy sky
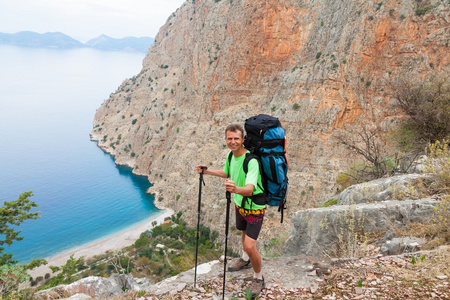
[87,19]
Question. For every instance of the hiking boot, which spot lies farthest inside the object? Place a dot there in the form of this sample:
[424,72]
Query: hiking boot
[257,286]
[239,264]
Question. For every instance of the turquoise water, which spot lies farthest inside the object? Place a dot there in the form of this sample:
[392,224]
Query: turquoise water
[48,100]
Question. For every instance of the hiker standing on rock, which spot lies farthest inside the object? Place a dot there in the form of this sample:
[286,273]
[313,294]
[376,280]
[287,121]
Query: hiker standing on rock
[249,215]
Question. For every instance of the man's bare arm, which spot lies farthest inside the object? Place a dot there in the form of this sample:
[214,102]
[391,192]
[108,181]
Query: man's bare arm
[218,173]
[245,191]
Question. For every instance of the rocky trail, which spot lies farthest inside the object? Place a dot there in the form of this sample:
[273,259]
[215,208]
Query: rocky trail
[419,275]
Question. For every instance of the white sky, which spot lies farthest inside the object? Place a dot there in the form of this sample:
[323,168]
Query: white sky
[87,19]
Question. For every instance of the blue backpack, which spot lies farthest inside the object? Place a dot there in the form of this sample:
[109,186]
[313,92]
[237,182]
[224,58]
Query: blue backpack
[265,139]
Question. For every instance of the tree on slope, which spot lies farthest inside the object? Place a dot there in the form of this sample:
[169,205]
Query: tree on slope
[13,214]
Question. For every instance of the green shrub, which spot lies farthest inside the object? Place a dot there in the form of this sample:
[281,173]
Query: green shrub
[177,245]
[442,219]
[377,158]
[438,164]
[11,277]
[427,107]
[403,137]
[351,176]
[126,264]
[157,230]
[142,241]
[148,252]
[274,248]
[422,11]
[329,202]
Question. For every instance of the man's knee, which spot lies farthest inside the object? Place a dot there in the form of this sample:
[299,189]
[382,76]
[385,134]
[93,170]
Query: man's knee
[249,245]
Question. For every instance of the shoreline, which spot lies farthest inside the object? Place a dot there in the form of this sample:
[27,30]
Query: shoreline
[114,241]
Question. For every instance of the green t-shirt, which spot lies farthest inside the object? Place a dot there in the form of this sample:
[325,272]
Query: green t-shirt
[241,179]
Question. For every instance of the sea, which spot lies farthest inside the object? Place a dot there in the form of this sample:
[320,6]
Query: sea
[48,98]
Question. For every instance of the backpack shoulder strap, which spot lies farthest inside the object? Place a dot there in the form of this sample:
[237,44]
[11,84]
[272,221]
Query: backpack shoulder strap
[229,162]
[248,157]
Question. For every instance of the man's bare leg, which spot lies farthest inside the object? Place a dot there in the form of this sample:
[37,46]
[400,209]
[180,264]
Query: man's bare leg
[250,248]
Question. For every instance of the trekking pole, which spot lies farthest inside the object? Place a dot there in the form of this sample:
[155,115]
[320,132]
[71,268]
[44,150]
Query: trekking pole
[227,223]
[198,219]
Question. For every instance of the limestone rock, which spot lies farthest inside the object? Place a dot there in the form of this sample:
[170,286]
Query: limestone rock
[401,245]
[97,287]
[79,297]
[382,189]
[325,231]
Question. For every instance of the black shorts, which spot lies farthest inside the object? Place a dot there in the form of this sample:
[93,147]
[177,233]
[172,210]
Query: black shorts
[250,221]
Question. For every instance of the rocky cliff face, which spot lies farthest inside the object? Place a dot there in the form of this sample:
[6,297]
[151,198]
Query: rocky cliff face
[317,65]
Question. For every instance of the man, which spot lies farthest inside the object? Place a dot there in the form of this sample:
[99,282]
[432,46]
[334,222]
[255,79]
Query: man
[249,215]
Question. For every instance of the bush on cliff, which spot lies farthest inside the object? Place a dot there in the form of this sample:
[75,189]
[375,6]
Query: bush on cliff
[426,107]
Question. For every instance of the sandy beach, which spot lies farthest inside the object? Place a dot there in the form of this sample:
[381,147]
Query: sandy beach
[113,242]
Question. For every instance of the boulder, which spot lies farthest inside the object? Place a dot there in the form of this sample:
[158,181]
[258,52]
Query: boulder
[382,189]
[401,245]
[97,287]
[333,231]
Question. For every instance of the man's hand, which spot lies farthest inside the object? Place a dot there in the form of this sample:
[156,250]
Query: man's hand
[200,169]
[218,173]
[230,186]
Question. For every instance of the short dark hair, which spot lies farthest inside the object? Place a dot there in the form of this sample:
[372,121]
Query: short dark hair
[234,128]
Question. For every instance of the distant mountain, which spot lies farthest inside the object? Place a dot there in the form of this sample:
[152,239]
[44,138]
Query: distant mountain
[59,40]
[33,39]
[130,44]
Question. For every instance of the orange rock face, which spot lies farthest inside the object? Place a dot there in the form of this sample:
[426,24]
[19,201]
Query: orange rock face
[319,66]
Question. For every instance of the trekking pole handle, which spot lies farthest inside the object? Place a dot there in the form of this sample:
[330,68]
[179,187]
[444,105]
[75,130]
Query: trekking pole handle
[204,168]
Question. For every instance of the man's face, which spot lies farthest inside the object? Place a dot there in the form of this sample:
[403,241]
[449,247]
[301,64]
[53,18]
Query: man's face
[234,140]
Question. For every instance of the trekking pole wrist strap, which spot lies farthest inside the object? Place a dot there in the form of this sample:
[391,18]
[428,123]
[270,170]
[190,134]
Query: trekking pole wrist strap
[204,168]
